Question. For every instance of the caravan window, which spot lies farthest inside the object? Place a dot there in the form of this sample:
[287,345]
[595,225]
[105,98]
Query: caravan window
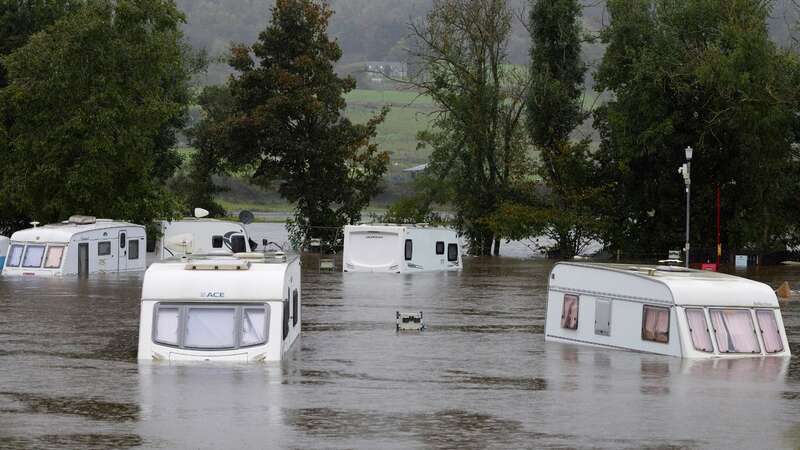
[295,307]
[698,329]
[210,328]
[15,256]
[103,248]
[655,324]
[53,259]
[440,248]
[409,249]
[286,316]
[238,244]
[452,252]
[33,256]
[734,331]
[569,312]
[769,331]
[122,238]
[166,326]
[216,241]
[133,249]
[254,326]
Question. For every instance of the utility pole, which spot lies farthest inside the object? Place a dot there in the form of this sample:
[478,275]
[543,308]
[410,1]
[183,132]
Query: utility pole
[686,170]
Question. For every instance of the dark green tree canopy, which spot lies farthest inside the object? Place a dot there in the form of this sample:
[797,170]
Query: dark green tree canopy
[91,113]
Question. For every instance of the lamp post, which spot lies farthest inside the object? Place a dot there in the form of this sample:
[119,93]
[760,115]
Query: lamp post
[686,170]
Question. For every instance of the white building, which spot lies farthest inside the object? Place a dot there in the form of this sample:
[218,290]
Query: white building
[227,308]
[400,248]
[199,237]
[664,310]
[81,245]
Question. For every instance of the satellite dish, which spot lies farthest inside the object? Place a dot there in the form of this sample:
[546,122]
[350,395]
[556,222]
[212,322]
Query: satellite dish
[246,217]
[200,213]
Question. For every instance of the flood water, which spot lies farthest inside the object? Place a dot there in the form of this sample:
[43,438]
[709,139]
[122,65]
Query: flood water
[480,376]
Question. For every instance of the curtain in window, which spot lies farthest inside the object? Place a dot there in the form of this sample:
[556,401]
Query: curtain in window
[253,326]
[167,325]
[53,259]
[569,315]
[698,328]
[33,256]
[655,324]
[734,331]
[769,331]
[15,256]
[210,328]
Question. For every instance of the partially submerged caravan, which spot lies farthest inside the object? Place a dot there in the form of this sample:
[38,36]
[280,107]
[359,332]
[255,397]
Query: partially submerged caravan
[243,308]
[400,248]
[665,310]
[4,243]
[199,237]
[81,245]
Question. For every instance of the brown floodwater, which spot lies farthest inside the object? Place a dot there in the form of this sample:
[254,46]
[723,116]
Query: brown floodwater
[480,376]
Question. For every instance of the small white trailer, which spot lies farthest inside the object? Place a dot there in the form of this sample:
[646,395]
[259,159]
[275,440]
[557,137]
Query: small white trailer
[664,310]
[240,308]
[199,237]
[4,243]
[400,248]
[81,245]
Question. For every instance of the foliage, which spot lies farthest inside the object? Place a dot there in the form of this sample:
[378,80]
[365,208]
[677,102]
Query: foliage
[702,73]
[287,122]
[478,145]
[91,111]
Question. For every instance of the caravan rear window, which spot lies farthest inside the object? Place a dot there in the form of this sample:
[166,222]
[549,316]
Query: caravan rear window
[15,256]
[211,327]
[734,331]
[53,259]
[33,256]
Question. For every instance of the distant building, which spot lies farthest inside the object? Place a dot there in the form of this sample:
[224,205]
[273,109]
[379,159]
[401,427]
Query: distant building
[416,169]
[379,71]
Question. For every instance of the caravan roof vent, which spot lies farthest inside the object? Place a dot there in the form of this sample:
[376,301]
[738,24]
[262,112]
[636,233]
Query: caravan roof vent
[217,264]
[82,220]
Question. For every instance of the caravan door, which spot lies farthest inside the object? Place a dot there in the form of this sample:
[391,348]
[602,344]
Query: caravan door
[122,254]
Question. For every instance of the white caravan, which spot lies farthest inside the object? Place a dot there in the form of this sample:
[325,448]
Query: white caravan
[400,248]
[199,237]
[4,243]
[81,245]
[243,308]
[665,310]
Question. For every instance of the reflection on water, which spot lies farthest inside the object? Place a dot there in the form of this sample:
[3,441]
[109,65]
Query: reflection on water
[480,376]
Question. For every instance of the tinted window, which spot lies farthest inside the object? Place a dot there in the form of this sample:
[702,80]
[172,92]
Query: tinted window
[33,256]
[655,324]
[734,331]
[440,248]
[569,312]
[409,249]
[295,307]
[133,249]
[122,238]
[216,241]
[103,248]
[452,252]
[15,256]
[53,259]
[286,317]
[238,244]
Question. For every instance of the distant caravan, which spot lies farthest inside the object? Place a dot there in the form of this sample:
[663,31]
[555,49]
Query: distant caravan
[81,245]
[400,248]
[665,310]
[241,308]
[191,236]
[4,243]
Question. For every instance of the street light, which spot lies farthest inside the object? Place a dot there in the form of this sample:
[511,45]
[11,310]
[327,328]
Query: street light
[686,170]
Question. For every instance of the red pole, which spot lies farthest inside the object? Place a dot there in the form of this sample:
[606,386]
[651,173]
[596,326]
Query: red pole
[719,245]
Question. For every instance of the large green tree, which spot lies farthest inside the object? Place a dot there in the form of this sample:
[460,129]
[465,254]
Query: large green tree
[287,123]
[91,112]
[702,73]
[478,140]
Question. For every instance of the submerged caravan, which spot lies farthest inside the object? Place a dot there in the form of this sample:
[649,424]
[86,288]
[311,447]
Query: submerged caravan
[81,245]
[400,248]
[244,308]
[664,310]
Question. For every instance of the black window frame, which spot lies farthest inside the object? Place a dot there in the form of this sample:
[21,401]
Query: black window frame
[440,247]
[452,252]
[104,243]
[409,250]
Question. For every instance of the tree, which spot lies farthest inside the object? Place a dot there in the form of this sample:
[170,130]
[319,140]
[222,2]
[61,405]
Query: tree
[91,112]
[287,122]
[478,142]
[702,73]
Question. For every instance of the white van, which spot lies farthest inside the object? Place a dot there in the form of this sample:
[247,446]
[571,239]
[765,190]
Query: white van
[400,248]
[81,245]
[665,310]
[199,237]
[243,308]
